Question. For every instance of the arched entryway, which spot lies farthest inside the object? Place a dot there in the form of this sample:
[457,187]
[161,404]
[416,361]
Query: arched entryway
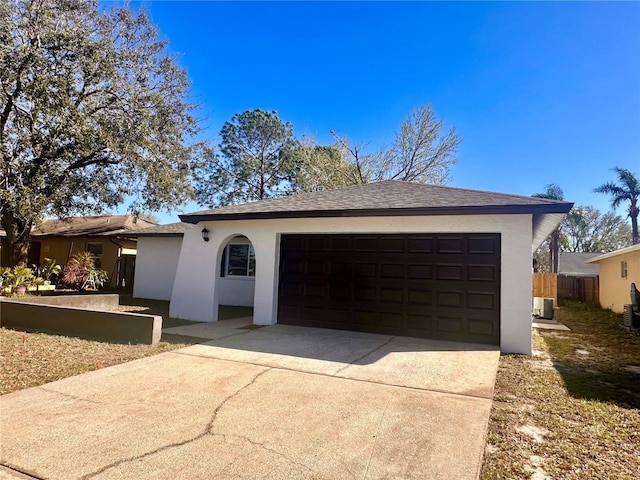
[236,272]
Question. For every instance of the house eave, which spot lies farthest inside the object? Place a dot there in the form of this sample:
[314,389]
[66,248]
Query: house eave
[382,212]
[615,253]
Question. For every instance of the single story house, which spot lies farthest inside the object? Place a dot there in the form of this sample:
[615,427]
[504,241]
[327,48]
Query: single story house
[618,270]
[103,236]
[390,257]
[574,264]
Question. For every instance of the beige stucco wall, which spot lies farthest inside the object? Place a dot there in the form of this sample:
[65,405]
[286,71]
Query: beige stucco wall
[61,248]
[614,289]
[196,289]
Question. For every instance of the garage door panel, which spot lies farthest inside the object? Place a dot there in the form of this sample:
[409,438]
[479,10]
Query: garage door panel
[315,267]
[477,326]
[292,289]
[393,245]
[364,317]
[365,270]
[364,294]
[420,271]
[392,295]
[450,299]
[420,297]
[449,271]
[482,273]
[294,244]
[482,245]
[392,271]
[340,269]
[339,292]
[450,245]
[441,286]
[482,300]
[420,244]
[390,319]
[340,243]
[449,324]
[366,244]
[315,290]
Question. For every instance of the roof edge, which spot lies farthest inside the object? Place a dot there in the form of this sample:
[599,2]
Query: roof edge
[615,253]
[565,207]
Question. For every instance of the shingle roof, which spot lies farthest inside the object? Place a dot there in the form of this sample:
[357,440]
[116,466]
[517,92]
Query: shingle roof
[573,264]
[90,226]
[384,198]
[170,230]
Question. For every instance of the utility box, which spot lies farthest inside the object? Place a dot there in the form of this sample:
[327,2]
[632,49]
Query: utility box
[543,307]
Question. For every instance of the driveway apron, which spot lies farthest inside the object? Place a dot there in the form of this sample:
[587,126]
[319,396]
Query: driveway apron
[278,402]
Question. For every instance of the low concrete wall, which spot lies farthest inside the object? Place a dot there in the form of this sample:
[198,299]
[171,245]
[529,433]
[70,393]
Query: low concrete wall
[117,327]
[103,301]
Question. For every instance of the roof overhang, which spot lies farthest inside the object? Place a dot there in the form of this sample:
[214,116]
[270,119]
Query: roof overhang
[543,225]
[615,253]
[560,209]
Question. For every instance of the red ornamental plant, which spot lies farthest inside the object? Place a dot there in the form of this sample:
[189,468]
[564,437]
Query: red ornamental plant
[79,268]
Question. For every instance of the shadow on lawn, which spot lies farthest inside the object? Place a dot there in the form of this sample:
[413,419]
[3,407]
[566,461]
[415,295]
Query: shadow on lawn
[161,307]
[617,387]
[594,356]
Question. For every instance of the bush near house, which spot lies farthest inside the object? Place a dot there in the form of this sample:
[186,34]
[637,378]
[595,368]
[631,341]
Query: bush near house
[80,273]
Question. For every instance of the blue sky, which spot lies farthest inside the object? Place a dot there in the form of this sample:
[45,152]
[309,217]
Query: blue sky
[539,92]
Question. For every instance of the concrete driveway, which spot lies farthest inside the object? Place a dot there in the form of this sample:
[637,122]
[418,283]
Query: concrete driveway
[278,402]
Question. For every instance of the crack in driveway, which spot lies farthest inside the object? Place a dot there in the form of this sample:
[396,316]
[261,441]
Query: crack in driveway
[67,395]
[263,447]
[207,431]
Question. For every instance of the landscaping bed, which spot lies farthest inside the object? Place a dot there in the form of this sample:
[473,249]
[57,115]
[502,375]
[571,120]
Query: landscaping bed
[572,410]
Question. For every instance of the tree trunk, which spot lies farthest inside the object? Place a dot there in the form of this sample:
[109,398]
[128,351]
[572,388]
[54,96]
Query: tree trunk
[634,229]
[15,247]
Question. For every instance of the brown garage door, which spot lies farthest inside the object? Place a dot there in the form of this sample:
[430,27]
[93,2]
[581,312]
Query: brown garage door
[441,286]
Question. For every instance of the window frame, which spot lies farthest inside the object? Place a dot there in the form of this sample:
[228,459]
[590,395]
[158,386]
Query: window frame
[250,267]
[97,258]
[624,271]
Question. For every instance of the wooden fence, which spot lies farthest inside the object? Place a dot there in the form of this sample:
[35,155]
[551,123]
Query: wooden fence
[583,289]
[545,285]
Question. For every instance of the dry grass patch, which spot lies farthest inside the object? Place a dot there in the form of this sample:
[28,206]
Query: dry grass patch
[32,359]
[564,413]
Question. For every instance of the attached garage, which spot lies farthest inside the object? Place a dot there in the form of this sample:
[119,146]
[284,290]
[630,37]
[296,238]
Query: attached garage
[440,286]
[392,257]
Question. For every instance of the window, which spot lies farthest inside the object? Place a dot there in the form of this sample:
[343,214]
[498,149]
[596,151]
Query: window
[96,250]
[623,269]
[239,260]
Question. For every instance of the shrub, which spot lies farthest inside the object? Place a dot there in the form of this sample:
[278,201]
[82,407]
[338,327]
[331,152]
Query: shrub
[80,271]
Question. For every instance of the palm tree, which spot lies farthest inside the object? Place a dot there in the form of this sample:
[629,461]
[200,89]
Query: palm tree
[626,190]
[553,192]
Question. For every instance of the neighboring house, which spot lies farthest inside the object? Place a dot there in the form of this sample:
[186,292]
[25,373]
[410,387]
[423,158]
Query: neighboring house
[103,236]
[390,257]
[575,264]
[618,269]
[157,260]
